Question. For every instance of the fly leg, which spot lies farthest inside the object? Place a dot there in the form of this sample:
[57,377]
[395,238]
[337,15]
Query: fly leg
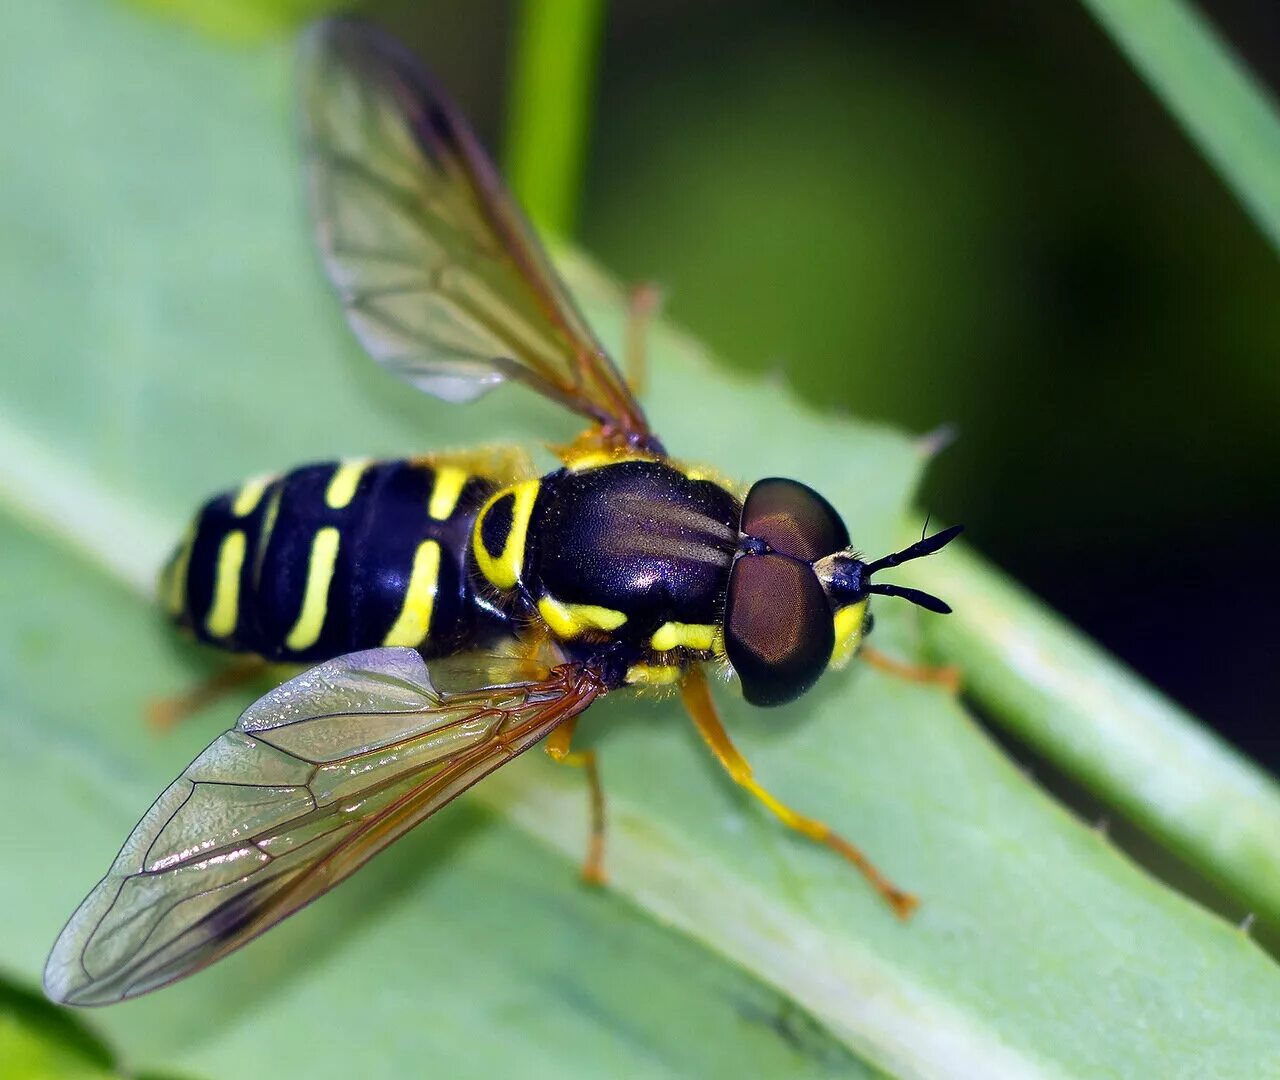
[165,713]
[948,675]
[558,747]
[702,710]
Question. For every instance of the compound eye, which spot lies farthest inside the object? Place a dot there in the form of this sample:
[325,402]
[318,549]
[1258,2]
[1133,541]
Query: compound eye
[793,518]
[778,632]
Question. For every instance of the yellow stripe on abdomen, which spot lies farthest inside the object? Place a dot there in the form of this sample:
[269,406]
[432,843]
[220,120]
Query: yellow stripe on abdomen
[225,610]
[247,498]
[315,599]
[445,491]
[414,621]
[173,578]
[503,565]
[343,483]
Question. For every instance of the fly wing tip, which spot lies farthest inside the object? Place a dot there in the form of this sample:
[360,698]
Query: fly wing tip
[66,983]
[63,982]
[66,979]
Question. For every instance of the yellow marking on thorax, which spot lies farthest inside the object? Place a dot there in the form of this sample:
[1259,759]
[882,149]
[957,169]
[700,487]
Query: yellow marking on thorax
[315,598]
[444,493]
[247,497]
[653,674]
[571,620]
[343,483]
[849,622]
[503,570]
[711,476]
[676,635]
[576,460]
[580,461]
[221,620]
[173,581]
[414,621]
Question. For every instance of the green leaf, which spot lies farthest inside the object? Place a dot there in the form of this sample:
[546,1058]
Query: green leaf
[1225,110]
[168,334]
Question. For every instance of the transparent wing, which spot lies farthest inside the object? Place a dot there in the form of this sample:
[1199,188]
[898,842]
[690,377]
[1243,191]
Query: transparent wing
[443,280]
[315,778]
[507,661]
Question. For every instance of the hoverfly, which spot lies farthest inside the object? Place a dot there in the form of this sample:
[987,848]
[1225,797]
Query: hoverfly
[458,608]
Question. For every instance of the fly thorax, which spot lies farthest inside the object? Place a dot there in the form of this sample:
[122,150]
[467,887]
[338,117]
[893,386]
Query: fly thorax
[634,549]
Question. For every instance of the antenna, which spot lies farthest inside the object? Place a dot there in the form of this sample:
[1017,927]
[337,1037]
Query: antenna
[918,550]
[916,596]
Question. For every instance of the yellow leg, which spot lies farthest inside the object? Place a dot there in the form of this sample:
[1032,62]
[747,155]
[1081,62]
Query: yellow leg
[948,676]
[167,712]
[643,305]
[558,749]
[702,710]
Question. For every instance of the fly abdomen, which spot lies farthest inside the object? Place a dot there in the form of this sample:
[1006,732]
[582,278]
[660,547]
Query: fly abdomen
[331,558]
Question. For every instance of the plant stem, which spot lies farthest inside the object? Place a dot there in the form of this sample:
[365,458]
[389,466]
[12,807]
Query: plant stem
[1222,107]
[557,44]
[1053,689]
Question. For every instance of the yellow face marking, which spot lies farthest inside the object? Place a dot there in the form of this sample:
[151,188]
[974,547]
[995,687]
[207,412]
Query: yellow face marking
[444,495]
[315,598]
[250,492]
[570,620]
[173,579]
[414,621]
[343,483]
[653,674]
[503,570]
[221,620]
[675,635]
[848,625]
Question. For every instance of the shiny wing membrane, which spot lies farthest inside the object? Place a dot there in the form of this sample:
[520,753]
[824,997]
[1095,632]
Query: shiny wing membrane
[315,778]
[443,280]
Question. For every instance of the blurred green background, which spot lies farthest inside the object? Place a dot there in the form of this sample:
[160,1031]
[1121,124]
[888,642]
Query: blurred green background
[973,214]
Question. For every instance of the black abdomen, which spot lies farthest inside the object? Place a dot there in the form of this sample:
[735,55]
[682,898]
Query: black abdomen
[332,558]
